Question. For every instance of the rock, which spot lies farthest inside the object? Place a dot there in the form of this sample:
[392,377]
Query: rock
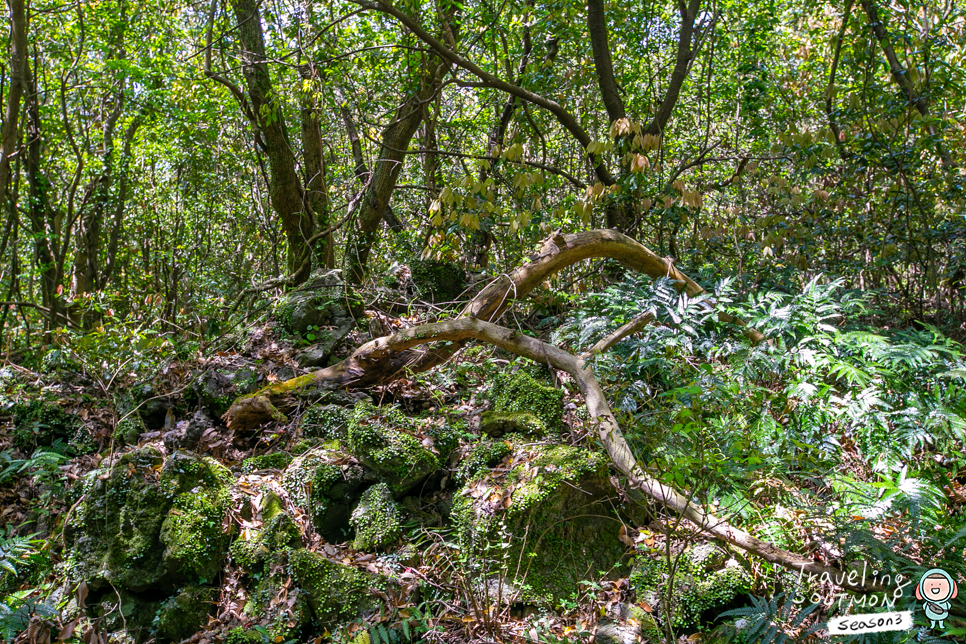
[328,422]
[519,392]
[616,634]
[381,439]
[498,423]
[150,522]
[437,281]
[703,581]
[279,533]
[128,613]
[329,340]
[187,433]
[322,301]
[483,455]
[335,592]
[217,389]
[326,485]
[556,504]
[185,614]
[377,519]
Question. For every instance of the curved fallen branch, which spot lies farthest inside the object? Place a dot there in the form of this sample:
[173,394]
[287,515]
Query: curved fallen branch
[364,368]
[642,486]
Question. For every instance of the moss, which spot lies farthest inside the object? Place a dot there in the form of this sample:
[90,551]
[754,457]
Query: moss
[335,592]
[38,423]
[379,438]
[326,488]
[249,554]
[185,614]
[496,423]
[702,582]
[274,461]
[437,281]
[242,635]
[377,519]
[555,504]
[326,422]
[129,430]
[519,392]
[150,522]
[484,455]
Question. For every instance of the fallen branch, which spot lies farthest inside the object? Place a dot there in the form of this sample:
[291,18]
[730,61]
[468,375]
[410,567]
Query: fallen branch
[642,486]
[366,369]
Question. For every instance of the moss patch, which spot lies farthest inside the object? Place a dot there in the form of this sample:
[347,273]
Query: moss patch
[326,485]
[704,580]
[519,392]
[274,461]
[552,507]
[335,592]
[150,523]
[381,439]
[498,423]
[377,519]
[329,422]
[185,614]
[437,281]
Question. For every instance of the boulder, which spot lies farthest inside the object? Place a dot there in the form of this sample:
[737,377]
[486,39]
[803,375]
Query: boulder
[335,592]
[326,485]
[322,301]
[150,523]
[553,506]
[328,422]
[217,389]
[437,281]
[186,613]
[519,392]
[382,440]
[377,519]
[498,423]
[327,341]
[705,579]
[187,433]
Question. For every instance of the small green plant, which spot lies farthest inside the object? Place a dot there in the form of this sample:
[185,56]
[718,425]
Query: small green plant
[771,621]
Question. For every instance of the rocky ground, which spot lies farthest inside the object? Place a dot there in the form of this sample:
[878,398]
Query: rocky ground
[468,505]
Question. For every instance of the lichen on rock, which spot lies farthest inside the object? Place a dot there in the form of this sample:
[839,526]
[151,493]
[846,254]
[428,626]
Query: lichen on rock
[552,507]
[377,519]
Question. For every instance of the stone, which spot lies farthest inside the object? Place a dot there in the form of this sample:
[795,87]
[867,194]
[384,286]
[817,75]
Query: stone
[377,519]
[437,281]
[336,593]
[328,422]
[329,340]
[381,439]
[186,613]
[519,392]
[187,433]
[326,485]
[498,423]
[150,522]
[322,301]
[217,389]
[554,508]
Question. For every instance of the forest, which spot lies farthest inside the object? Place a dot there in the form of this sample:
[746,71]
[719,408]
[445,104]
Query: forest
[493,321]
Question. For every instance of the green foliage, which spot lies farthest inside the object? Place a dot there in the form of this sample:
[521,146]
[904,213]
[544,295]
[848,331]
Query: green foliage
[772,621]
[273,461]
[377,519]
[519,392]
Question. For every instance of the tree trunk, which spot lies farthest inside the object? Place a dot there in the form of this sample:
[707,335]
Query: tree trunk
[10,132]
[285,189]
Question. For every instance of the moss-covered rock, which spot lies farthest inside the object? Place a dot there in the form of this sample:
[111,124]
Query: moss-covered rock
[519,392]
[273,461]
[40,422]
[483,455]
[437,281]
[217,389]
[381,439]
[335,592]
[323,300]
[705,580]
[498,423]
[326,485]
[377,519]
[553,509]
[185,614]
[120,610]
[150,522]
[328,422]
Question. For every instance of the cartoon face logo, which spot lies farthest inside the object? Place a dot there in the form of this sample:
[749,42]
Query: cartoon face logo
[936,590]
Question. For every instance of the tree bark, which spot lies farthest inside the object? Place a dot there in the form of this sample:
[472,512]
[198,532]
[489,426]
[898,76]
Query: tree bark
[597,28]
[286,192]
[10,132]
[689,12]
[366,367]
